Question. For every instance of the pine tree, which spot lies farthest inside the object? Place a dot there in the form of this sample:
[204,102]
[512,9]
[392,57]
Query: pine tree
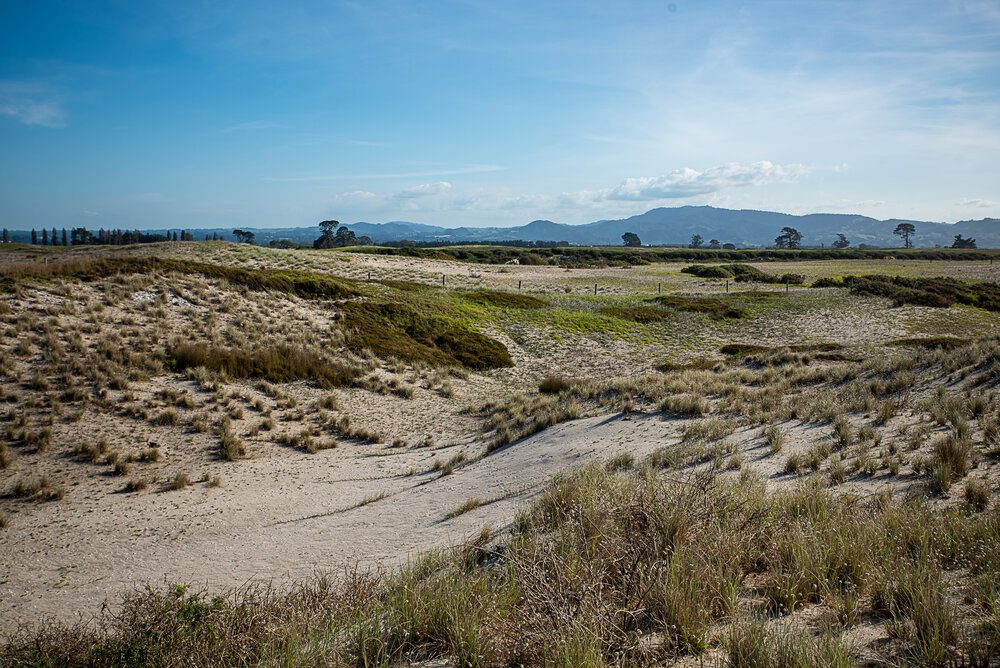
[45,237]
[34,237]
[6,236]
[65,238]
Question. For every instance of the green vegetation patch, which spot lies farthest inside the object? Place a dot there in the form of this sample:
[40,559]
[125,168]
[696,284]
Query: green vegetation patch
[641,313]
[937,292]
[932,342]
[304,284]
[504,299]
[716,307]
[741,273]
[824,350]
[406,286]
[279,364]
[605,256]
[595,535]
[394,329]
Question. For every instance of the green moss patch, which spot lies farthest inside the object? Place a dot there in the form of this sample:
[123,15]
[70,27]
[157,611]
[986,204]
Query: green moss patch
[644,314]
[391,329]
[716,307]
[937,292]
[279,364]
[504,299]
[741,273]
[932,342]
[304,284]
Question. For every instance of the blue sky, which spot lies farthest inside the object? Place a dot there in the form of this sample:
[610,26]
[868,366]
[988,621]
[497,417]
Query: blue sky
[225,113]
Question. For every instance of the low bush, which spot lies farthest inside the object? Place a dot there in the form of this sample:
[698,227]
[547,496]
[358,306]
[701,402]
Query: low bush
[279,364]
[394,329]
[938,292]
[716,307]
[504,299]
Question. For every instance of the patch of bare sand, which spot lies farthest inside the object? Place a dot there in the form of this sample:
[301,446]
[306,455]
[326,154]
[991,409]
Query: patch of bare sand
[286,518]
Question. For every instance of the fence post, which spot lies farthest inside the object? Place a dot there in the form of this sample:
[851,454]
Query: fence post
[727,286]
[519,286]
[369,276]
[786,285]
[659,288]
[595,289]
[442,279]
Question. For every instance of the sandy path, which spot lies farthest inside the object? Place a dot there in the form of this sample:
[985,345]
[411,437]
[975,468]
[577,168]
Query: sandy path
[285,518]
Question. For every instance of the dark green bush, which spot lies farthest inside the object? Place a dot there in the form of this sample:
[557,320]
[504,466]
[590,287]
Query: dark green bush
[504,299]
[937,292]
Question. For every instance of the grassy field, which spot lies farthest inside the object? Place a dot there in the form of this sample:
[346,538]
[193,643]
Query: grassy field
[778,475]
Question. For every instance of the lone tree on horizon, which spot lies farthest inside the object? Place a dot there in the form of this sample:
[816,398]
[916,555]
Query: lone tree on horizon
[631,239]
[697,241]
[242,236]
[789,238]
[959,242]
[841,241]
[326,238]
[905,230]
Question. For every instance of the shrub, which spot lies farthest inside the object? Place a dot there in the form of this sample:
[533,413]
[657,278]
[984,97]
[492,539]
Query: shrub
[939,292]
[716,307]
[504,299]
[977,494]
[952,460]
[467,506]
[620,462]
[232,446]
[686,405]
[179,481]
[554,385]
[395,329]
[136,485]
[280,364]
[775,438]
[166,418]
[708,271]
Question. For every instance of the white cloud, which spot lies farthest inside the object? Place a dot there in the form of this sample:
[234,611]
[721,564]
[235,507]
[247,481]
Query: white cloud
[423,190]
[977,203]
[688,182]
[466,169]
[250,125]
[32,104]
[357,195]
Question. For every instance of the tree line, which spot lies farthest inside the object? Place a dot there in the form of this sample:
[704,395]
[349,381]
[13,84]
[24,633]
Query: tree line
[335,235]
[791,238]
[81,236]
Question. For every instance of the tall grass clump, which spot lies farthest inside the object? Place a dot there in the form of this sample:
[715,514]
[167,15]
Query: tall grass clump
[604,568]
[279,364]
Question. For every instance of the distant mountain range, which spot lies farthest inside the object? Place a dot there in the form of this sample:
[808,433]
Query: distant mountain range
[677,225]
[664,226]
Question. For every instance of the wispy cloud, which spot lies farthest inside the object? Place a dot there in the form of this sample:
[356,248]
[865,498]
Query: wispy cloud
[688,182]
[249,125]
[977,203]
[32,104]
[423,190]
[467,169]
